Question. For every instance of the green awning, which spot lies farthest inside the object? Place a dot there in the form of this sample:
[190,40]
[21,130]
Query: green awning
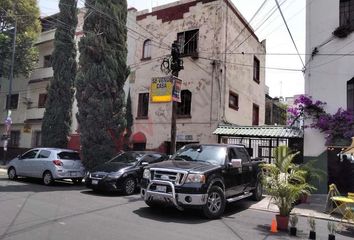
[259,131]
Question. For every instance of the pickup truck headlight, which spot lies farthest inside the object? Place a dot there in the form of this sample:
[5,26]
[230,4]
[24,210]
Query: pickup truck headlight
[195,178]
[147,174]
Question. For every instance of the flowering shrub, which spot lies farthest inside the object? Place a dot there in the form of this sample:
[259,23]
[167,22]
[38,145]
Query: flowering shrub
[337,127]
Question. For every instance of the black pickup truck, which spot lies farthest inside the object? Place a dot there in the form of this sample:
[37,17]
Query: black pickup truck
[204,176]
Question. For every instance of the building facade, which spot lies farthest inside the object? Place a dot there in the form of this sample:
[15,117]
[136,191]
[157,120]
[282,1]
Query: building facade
[329,78]
[29,94]
[218,86]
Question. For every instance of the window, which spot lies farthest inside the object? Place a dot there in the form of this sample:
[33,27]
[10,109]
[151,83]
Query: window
[256,69]
[37,139]
[233,100]
[143,105]
[14,139]
[184,107]
[188,42]
[47,61]
[346,13]
[350,95]
[13,103]
[30,154]
[147,49]
[69,155]
[44,154]
[42,100]
[255,115]
[242,154]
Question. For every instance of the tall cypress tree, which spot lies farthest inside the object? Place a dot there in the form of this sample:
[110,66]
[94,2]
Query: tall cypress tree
[57,116]
[101,78]
[129,119]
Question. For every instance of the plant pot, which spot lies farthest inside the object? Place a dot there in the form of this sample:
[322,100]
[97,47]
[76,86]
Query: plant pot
[331,237]
[282,222]
[312,235]
[293,231]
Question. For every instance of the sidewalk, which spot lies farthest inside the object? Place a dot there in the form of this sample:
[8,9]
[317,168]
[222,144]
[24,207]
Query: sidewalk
[314,207]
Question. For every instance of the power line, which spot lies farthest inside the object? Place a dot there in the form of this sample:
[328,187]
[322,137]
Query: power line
[249,65]
[247,25]
[271,12]
[291,36]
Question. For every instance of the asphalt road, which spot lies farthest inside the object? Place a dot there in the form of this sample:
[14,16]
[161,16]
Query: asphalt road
[29,210]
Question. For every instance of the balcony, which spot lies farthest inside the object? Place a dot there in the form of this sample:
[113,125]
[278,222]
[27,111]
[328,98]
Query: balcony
[35,113]
[42,73]
[46,36]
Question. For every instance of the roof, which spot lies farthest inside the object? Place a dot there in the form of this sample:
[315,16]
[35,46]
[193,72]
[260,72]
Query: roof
[259,131]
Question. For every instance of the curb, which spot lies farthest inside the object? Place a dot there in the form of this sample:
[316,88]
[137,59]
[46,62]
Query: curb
[298,214]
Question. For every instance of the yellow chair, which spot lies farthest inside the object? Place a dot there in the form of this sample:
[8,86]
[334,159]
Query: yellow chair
[350,195]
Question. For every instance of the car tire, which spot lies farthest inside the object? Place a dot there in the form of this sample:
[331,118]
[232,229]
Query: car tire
[48,178]
[258,191]
[215,203]
[11,173]
[129,186]
[77,181]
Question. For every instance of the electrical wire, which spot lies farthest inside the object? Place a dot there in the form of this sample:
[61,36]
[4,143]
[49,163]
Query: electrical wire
[291,36]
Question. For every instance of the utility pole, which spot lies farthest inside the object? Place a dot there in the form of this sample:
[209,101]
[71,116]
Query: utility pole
[176,66]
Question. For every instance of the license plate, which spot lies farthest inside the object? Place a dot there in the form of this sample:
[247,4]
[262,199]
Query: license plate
[94,182]
[73,174]
[161,188]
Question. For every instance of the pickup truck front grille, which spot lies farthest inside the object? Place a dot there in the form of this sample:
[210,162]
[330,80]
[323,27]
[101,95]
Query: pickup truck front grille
[177,178]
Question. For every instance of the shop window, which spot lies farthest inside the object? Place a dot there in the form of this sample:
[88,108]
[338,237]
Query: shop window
[14,138]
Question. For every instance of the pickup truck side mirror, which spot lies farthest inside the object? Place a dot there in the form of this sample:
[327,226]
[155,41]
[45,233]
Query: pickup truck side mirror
[236,163]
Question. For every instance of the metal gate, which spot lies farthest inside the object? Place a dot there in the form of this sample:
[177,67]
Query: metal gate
[258,147]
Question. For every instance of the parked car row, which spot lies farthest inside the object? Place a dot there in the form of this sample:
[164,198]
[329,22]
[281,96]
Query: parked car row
[204,176]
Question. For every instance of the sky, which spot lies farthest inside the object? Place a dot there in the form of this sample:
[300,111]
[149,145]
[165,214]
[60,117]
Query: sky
[280,82]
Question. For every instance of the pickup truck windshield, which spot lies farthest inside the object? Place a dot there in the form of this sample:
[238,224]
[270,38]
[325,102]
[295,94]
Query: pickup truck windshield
[210,154]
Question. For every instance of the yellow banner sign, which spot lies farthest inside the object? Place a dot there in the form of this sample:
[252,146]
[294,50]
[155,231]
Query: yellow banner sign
[161,89]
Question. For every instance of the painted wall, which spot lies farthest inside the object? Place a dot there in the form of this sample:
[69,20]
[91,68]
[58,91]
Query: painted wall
[203,76]
[326,76]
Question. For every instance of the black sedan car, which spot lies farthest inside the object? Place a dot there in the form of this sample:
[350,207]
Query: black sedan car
[123,172]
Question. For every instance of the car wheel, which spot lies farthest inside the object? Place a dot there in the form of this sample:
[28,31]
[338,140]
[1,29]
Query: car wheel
[215,204]
[11,173]
[129,186]
[77,180]
[47,178]
[257,192]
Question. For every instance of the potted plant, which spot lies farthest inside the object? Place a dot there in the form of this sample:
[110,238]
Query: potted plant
[312,223]
[313,174]
[332,228]
[284,182]
[293,221]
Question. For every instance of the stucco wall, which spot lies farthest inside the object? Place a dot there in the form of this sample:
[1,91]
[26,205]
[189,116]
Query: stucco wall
[326,76]
[202,76]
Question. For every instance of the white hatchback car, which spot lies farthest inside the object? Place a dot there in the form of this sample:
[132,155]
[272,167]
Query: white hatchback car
[49,164]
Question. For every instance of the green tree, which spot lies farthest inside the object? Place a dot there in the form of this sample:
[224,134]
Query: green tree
[129,118]
[101,77]
[26,14]
[57,116]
